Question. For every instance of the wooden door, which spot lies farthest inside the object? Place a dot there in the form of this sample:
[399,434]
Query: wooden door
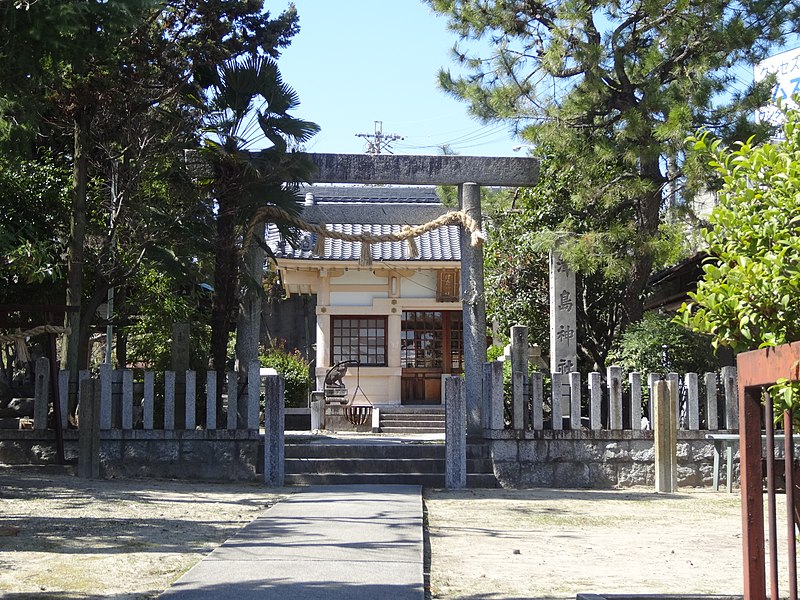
[431,345]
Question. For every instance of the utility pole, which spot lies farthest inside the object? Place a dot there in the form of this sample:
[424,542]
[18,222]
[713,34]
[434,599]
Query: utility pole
[379,141]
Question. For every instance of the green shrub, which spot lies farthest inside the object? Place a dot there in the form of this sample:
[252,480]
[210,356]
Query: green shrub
[658,344]
[295,370]
[749,296]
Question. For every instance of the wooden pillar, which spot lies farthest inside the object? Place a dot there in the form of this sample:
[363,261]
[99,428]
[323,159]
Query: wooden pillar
[755,583]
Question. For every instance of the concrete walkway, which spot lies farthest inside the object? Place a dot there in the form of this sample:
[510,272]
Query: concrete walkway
[333,542]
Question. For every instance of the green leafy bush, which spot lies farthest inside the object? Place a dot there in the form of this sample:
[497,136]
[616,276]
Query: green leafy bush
[658,344]
[295,370]
[750,293]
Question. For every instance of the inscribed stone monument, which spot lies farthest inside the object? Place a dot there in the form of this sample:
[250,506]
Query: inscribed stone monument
[563,323]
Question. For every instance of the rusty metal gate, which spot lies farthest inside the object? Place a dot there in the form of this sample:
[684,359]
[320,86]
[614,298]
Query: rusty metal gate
[757,370]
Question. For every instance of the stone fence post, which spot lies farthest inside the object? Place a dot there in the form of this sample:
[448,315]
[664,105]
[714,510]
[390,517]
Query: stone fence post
[730,385]
[89,429]
[665,432]
[493,395]
[455,473]
[519,375]
[274,408]
[614,377]
[41,393]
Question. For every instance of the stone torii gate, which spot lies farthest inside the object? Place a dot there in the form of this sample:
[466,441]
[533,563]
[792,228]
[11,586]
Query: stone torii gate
[468,173]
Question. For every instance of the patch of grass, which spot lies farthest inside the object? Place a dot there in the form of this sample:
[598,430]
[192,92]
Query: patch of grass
[572,520]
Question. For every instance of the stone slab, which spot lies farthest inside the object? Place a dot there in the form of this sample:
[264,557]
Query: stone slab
[425,170]
[329,543]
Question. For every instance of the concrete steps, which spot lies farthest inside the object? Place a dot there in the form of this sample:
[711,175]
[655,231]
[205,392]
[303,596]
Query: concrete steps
[401,420]
[353,462]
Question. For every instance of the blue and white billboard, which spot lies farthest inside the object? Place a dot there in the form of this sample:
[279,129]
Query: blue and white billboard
[786,67]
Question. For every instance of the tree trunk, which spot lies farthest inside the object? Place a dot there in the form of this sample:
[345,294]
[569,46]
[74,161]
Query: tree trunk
[70,355]
[248,321]
[225,277]
[90,308]
[649,221]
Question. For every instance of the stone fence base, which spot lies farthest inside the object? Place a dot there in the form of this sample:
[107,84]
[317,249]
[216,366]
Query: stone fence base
[596,459]
[560,459]
[212,455]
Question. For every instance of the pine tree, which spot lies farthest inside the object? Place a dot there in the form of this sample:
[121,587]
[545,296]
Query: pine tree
[610,90]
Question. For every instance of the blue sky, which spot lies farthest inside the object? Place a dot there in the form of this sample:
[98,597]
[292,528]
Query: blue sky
[355,62]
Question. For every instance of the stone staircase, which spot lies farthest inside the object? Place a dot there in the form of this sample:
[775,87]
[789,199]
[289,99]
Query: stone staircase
[402,420]
[377,461]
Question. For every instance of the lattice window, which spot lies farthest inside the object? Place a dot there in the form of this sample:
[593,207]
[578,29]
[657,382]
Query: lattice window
[456,343]
[421,333]
[359,338]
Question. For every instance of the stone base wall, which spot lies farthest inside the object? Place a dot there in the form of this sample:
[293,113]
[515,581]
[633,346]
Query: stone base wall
[561,459]
[220,455]
[598,459]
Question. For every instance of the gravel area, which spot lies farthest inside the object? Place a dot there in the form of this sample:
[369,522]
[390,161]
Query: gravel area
[64,537]
[67,538]
[546,543]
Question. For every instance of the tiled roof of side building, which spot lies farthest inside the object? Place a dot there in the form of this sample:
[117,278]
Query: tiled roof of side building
[441,244]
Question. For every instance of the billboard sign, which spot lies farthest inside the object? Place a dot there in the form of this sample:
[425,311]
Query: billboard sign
[786,67]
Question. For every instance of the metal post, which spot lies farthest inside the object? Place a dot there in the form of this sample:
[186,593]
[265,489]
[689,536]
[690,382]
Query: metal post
[788,455]
[769,426]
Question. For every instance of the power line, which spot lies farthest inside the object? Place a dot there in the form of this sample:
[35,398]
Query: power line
[379,141]
[477,137]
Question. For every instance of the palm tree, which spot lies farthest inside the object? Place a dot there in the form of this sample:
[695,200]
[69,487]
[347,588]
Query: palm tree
[247,105]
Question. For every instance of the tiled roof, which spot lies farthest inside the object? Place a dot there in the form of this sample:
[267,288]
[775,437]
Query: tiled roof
[371,194]
[436,245]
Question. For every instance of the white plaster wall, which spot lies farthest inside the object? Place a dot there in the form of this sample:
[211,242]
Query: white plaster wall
[363,298]
[354,293]
[420,285]
[358,278]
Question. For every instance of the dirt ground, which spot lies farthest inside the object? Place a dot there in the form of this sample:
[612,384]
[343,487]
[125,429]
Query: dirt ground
[558,543]
[66,538]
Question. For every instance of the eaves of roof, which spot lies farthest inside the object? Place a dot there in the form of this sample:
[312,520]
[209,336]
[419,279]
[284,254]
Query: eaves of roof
[442,244]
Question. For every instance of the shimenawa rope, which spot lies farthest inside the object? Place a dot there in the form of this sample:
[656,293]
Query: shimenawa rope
[367,239]
[22,335]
